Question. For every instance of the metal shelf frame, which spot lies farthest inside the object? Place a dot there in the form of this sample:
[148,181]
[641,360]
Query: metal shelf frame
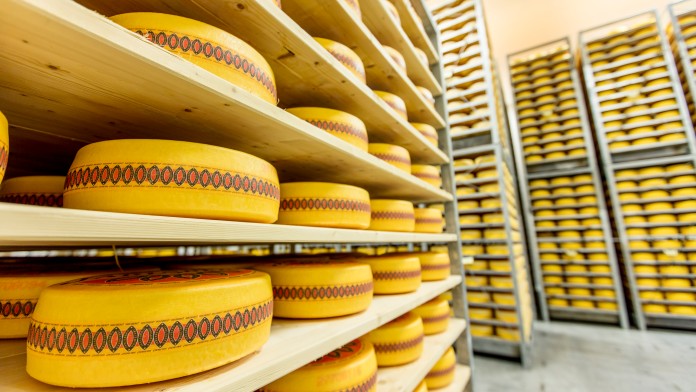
[681,48]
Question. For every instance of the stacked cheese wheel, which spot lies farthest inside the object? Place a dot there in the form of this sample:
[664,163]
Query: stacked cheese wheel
[89,326]
[34,190]
[324,205]
[340,124]
[345,56]
[398,342]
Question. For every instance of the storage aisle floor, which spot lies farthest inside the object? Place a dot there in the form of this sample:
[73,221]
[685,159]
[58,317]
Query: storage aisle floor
[577,358]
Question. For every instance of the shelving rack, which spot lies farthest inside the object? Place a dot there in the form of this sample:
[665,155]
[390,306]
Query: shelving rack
[576,272]
[80,87]
[682,37]
[645,180]
[478,129]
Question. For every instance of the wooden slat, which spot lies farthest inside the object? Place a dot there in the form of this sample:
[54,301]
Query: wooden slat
[291,344]
[77,82]
[384,27]
[415,30]
[56,227]
[334,20]
[306,74]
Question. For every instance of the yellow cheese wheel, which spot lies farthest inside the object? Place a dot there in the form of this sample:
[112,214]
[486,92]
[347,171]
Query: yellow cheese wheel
[340,124]
[398,342]
[317,289]
[392,215]
[428,220]
[164,177]
[4,145]
[481,330]
[391,9]
[206,46]
[352,367]
[392,154]
[433,265]
[442,374]
[478,297]
[345,56]
[394,273]
[428,173]
[394,101]
[396,56]
[435,315]
[504,299]
[428,131]
[34,190]
[511,334]
[111,327]
[427,95]
[324,205]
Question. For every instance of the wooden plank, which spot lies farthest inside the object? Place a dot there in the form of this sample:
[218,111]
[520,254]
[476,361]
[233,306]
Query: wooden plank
[413,27]
[335,20]
[306,74]
[33,226]
[384,27]
[292,344]
[77,83]
[406,378]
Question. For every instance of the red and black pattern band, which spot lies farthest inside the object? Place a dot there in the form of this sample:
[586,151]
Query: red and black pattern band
[427,175]
[34,199]
[428,220]
[300,204]
[17,308]
[443,372]
[393,158]
[396,275]
[4,156]
[93,340]
[339,127]
[283,293]
[349,62]
[436,319]
[136,174]
[431,267]
[393,215]
[395,105]
[399,346]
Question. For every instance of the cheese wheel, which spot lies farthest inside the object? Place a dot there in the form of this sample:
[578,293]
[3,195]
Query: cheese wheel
[391,9]
[5,145]
[422,57]
[317,289]
[428,173]
[396,56]
[481,330]
[345,56]
[398,342]
[392,154]
[324,204]
[34,190]
[352,367]
[190,321]
[208,47]
[426,130]
[165,177]
[428,220]
[395,273]
[392,215]
[394,101]
[435,315]
[427,95]
[434,265]
[442,374]
[340,124]
[354,6]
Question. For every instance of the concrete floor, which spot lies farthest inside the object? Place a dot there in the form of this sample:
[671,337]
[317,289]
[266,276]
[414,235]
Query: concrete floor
[571,357]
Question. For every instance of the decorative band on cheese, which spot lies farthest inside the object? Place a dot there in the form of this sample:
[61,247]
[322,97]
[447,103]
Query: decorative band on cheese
[165,177]
[428,131]
[340,124]
[5,145]
[206,46]
[324,205]
[392,154]
[355,6]
[352,367]
[396,56]
[34,190]
[395,273]
[435,315]
[392,215]
[442,374]
[427,173]
[398,342]
[395,102]
[345,56]
[434,265]
[112,327]
[427,95]
[318,289]
[428,220]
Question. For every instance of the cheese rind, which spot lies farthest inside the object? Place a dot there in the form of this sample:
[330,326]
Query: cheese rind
[434,265]
[4,145]
[428,173]
[392,154]
[324,204]
[33,190]
[442,374]
[392,215]
[340,124]
[345,56]
[435,315]
[428,220]
[394,101]
[395,273]
[398,342]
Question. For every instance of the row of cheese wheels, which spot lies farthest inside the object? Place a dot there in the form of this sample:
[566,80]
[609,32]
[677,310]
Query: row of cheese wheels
[581,298]
[202,181]
[523,63]
[553,93]
[543,80]
[624,32]
[498,250]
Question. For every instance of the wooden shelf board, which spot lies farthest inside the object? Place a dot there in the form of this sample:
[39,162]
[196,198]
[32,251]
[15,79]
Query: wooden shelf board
[335,20]
[415,30]
[292,344]
[384,27]
[406,378]
[58,227]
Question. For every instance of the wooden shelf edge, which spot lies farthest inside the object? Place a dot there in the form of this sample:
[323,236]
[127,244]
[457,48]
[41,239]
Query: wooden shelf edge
[292,344]
[414,30]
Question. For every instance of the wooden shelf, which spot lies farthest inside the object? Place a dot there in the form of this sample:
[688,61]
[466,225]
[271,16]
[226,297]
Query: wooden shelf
[407,377]
[32,226]
[415,30]
[292,344]
[382,24]
[333,19]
